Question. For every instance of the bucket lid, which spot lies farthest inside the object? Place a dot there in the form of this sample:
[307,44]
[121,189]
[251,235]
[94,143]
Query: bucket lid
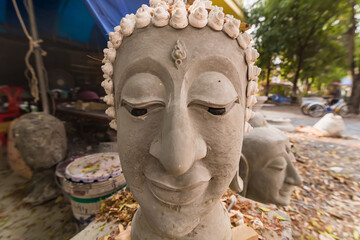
[95,167]
[61,166]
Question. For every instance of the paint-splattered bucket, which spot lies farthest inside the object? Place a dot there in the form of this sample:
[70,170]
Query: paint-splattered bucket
[90,179]
[60,176]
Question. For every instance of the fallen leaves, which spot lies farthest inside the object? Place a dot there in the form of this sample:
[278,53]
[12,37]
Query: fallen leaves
[258,216]
[121,208]
[356,235]
[264,209]
[280,217]
[327,206]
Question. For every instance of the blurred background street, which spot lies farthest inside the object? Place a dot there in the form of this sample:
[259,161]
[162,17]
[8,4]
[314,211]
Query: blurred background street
[352,124]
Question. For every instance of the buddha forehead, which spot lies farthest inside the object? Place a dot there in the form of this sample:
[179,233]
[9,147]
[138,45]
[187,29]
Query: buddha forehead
[269,136]
[149,50]
[271,141]
[178,43]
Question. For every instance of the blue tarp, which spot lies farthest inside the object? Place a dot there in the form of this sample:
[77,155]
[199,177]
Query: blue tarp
[81,21]
[108,13]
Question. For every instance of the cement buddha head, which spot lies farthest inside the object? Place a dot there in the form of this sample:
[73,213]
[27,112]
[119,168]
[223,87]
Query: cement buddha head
[271,173]
[258,120]
[40,139]
[180,107]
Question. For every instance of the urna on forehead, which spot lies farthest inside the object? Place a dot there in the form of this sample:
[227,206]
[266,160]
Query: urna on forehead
[202,29]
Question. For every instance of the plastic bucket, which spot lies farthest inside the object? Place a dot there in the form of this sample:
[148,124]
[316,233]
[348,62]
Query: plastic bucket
[85,197]
[90,179]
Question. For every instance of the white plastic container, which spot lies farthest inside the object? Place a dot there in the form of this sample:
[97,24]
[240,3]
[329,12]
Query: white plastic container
[90,179]
[330,125]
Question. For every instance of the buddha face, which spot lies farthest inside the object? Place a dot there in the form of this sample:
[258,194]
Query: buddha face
[180,126]
[272,173]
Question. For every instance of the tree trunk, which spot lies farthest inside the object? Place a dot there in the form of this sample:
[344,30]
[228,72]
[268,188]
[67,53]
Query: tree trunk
[355,91]
[267,90]
[319,86]
[306,85]
[355,95]
[309,83]
[297,74]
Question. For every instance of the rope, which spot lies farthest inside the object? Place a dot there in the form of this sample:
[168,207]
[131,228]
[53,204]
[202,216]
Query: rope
[33,80]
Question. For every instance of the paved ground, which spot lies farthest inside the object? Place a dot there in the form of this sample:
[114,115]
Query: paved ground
[298,119]
[52,220]
[327,205]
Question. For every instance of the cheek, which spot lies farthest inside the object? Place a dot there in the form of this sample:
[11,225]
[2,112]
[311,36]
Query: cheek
[275,180]
[266,184]
[134,139]
[223,136]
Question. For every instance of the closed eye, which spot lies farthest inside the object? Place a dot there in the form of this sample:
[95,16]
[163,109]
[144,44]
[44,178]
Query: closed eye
[217,111]
[278,168]
[138,110]
[214,109]
[278,164]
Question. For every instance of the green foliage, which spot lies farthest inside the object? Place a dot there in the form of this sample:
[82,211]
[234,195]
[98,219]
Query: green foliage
[309,37]
[281,90]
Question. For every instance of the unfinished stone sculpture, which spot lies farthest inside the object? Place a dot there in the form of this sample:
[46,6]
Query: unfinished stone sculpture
[179,96]
[270,174]
[258,120]
[41,141]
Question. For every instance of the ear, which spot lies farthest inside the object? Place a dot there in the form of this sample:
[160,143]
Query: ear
[244,173]
[237,184]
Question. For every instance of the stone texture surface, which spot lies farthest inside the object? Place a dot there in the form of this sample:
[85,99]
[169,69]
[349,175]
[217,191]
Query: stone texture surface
[117,214]
[16,162]
[40,139]
[169,126]
[269,174]
[244,232]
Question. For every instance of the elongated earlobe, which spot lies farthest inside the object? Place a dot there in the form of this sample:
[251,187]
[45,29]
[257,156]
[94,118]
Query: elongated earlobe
[237,184]
[244,173]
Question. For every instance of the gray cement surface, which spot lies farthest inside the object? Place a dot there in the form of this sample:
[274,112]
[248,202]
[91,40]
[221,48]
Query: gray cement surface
[52,220]
[298,119]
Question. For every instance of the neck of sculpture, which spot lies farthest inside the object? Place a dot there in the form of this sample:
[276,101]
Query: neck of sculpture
[214,226]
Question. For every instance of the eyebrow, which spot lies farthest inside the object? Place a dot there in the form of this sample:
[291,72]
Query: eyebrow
[218,63]
[220,89]
[222,65]
[143,88]
[227,105]
[273,159]
[211,100]
[144,65]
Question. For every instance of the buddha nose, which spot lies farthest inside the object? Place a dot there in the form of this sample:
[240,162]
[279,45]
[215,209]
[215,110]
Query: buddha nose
[292,176]
[178,145]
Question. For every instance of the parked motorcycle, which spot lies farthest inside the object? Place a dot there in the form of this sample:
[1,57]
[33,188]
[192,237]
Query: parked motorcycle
[319,109]
[304,108]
